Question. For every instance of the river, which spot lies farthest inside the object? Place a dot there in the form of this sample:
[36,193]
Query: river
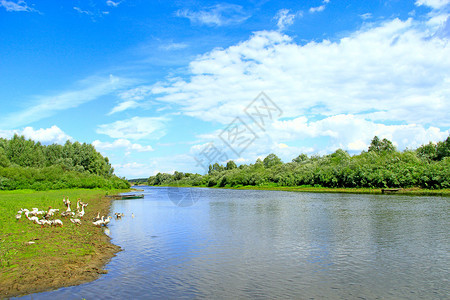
[185,243]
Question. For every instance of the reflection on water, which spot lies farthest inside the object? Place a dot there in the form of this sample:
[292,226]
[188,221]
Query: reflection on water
[265,244]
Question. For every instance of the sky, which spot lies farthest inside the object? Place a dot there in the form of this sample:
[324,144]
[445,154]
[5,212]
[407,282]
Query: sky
[159,86]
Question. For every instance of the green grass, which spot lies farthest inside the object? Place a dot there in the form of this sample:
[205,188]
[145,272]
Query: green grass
[52,244]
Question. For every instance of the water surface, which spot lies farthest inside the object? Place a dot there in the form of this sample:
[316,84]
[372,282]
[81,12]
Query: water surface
[270,244]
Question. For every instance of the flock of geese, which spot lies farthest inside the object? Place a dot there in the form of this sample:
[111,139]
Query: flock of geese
[75,217]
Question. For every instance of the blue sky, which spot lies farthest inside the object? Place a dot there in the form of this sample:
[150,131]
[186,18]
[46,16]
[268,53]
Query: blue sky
[159,86]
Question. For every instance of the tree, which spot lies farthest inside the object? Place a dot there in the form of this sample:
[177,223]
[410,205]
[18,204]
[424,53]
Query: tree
[271,160]
[381,146]
[427,151]
[443,149]
[300,158]
[230,165]
[4,162]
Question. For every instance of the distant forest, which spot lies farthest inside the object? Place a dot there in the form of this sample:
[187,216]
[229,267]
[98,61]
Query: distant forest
[382,166]
[26,164]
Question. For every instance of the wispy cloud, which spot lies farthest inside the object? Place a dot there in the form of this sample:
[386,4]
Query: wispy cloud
[436,4]
[16,6]
[86,12]
[89,89]
[217,15]
[366,16]
[173,46]
[44,135]
[285,19]
[112,3]
[319,8]
[136,128]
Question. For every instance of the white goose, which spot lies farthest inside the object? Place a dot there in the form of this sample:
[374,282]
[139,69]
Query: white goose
[81,213]
[75,221]
[99,222]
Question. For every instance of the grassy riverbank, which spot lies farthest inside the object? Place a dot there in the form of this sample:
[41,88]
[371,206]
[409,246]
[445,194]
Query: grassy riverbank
[35,259]
[312,189]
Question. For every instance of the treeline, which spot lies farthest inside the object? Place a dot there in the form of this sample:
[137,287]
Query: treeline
[382,166]
[26,164]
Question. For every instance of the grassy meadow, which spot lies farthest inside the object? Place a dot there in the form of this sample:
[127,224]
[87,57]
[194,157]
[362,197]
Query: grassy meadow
[35,258]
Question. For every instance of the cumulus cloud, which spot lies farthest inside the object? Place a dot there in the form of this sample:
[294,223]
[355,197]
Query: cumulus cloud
[371,71]
[217,15]
[46,136]
[87,90]
[135,128]
[436,4]
[121,143]
[16,6]
[285,19]
[352,132]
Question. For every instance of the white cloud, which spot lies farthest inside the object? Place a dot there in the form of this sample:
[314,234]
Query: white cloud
[352,132]
[372,71]
[135,128]
[317,9]
[44,135]
[123,106]
[16,6]
[366,16]
[285,19]
[436,4]
[173,46]
[86,12]
[121,143]
[217,15]
[88,89]
[131,99]
[112,3]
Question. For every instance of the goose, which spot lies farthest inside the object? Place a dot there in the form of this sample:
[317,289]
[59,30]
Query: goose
[119,215]
[53,210]
[97,217]
[67,213]
[107,220]
[18,216]
[57,222]
[33,219]
[46,222]
[81,213]
[132,215]
[68,207]
[49,213]
[99,222]
[75,221]
[34,211]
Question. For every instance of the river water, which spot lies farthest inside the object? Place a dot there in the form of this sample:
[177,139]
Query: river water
[228,244]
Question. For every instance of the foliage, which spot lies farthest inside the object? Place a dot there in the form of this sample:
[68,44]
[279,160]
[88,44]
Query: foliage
[381,166]
[25,164]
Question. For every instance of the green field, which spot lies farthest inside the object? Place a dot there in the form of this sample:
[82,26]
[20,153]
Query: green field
[53,251]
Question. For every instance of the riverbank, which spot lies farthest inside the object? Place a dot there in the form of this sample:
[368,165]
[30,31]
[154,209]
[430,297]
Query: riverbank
[311,189]
[35,259]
